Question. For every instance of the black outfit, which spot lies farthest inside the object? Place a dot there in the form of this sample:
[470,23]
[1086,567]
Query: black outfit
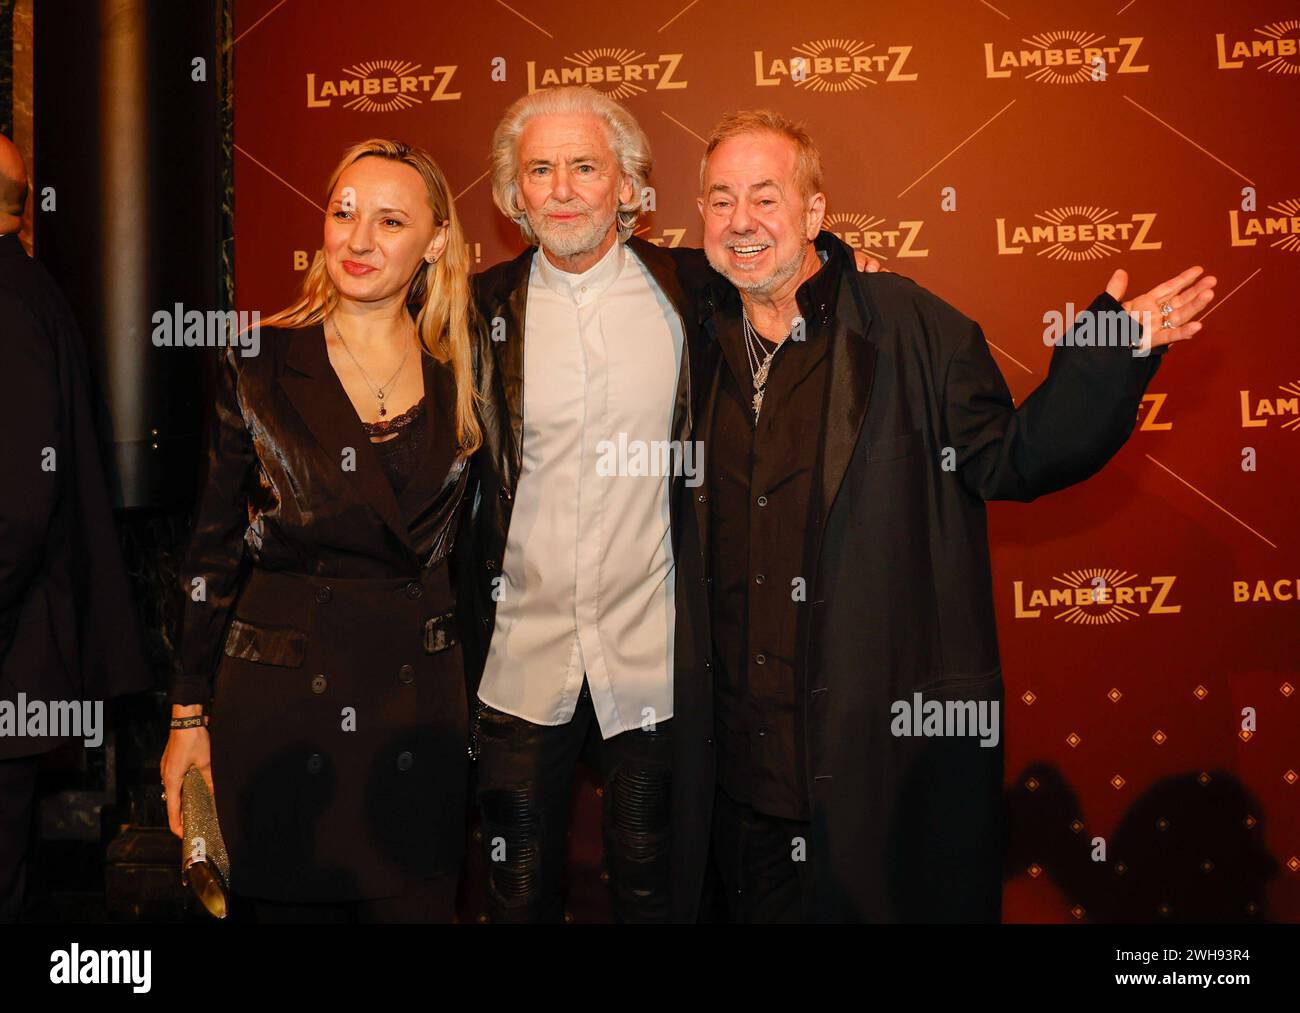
[525,778]
[339,718]
[400,445]
[761,492]
[758,554]
[899,596]
[762,864]
[634,819]
[68,628]
[17,832]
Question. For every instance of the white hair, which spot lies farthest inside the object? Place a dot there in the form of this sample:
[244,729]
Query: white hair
[626,138]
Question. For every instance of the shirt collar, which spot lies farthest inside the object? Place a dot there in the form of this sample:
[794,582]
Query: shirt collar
[591,282]
[816,296]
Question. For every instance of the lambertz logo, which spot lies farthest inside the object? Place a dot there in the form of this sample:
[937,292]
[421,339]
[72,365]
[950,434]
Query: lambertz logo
[382,86]
[871,233]
[1278,51]
[1282,226]
[832,65]
[1078,232]
[619,73]
[1257,412]
[1065,58]
[1096,597]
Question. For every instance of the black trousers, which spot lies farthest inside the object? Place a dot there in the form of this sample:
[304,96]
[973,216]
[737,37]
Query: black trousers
[17,832]
[433,901]
[525,777]
[763,864]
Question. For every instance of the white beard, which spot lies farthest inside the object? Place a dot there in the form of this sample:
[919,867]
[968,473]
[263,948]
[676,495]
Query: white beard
[578,236]
[760,286]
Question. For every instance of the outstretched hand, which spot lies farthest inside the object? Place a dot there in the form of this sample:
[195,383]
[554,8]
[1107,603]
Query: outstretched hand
[1184,303]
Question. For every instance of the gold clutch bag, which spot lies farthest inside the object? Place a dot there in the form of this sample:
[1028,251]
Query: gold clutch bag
[205,866]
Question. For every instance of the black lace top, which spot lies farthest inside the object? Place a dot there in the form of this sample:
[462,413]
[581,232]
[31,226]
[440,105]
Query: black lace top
[399,454]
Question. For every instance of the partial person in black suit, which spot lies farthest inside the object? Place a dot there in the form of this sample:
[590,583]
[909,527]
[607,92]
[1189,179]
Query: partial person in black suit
[320,614]
[68,631]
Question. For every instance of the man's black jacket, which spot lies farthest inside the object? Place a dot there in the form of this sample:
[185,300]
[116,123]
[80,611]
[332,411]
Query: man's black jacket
[68,629]
[899,596]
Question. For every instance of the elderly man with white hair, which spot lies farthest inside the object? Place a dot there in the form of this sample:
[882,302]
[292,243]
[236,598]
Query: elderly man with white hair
[590,340]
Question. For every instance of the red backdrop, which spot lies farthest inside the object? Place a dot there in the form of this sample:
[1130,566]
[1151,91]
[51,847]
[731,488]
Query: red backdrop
[962,140]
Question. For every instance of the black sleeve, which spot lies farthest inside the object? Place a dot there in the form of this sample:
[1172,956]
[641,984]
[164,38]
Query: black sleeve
[1064,432]
[32,454]
[215,558]
[693,270]
[465,552]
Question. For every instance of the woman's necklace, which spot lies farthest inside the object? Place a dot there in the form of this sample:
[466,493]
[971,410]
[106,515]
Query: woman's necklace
[760,362]
[381,391]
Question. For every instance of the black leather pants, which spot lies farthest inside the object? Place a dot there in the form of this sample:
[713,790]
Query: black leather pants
[525,777]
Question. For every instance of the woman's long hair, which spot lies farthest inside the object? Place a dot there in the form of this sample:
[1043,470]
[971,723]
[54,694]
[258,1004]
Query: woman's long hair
[446,318]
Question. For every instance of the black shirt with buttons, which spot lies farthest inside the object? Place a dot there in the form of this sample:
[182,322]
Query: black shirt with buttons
[761,489]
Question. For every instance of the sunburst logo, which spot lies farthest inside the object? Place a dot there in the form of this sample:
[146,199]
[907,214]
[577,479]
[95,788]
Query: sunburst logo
[1099,606]
[1275,48]
[1281,228]
[1065,57]
[382,86]
[1098,596]
[833,65]
[1078,232]
[1257,412]
[876,236]
[620,73]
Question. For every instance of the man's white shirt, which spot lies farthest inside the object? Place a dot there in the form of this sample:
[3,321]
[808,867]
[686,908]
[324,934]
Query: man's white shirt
[587,579]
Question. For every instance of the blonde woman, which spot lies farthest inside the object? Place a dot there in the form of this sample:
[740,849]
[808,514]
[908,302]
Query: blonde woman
[320,612]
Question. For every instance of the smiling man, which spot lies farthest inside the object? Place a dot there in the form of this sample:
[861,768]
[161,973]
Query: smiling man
[854,425]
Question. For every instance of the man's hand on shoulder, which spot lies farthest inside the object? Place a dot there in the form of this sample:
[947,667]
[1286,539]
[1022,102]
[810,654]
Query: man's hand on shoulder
[868,264]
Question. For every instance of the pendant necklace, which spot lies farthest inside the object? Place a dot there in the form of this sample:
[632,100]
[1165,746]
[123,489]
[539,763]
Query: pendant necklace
[760,362]
[381,391]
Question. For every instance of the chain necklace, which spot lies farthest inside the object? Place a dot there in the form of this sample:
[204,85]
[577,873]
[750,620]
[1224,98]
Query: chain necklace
[760,362]
[381,391]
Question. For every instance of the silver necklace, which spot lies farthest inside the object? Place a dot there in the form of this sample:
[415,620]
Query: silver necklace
[381,391]
[760,362]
